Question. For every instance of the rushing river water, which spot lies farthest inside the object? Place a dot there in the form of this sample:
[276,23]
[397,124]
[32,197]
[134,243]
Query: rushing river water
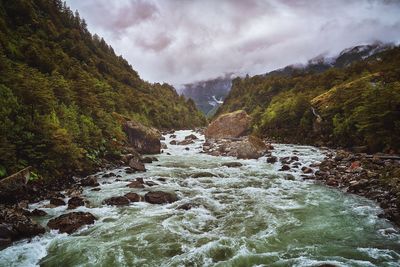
[247,216]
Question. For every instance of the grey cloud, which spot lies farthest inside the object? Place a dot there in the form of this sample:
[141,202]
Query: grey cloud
[179,41]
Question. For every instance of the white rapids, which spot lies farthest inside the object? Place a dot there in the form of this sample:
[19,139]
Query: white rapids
[246,216]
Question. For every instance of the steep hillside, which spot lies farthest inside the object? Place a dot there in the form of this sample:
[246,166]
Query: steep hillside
[62,88]
[208,95]
[355,102]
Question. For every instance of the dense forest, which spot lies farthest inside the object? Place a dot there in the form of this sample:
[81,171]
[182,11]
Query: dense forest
[353,103]
[63,90]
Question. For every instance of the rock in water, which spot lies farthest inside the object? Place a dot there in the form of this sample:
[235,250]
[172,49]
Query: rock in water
[117,201]
[89,181]
[75,202]
[249,148]
[136,165]
[144,139]
[232,164]
[133,197]
[69,223]
[230,125]
[159,197]
[57,201]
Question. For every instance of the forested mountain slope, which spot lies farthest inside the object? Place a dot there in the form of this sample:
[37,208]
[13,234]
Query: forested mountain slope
[63,89]
[352,104]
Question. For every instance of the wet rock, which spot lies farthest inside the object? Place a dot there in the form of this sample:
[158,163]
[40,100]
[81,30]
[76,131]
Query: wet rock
[133,197]
[332,182]
[135,184]
[146,160]
[186,148]
[150,183]
[89,181]
[289,177]
[191,137]
[272,159]
[203,174]
[306,170]
[185,142]
[75,202]
[14,225]
[186,206]
[172,136]
[57,201]
[70,222]
[173,142]
[285,168]
[136,165]
[108,175]
[38,213]
[96,189]
[294,158]
[164,146]
[232,164]
[145,140]
[161,179]
[162,138]
[251,148]
[116,201]
[230,125]
[159,197]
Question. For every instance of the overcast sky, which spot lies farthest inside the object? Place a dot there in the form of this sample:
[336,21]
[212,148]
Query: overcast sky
[182,41]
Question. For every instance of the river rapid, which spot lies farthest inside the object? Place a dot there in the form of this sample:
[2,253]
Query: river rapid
[246,216]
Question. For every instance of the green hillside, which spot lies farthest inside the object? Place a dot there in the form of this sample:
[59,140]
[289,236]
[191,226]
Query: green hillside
[62,90]
[351,106]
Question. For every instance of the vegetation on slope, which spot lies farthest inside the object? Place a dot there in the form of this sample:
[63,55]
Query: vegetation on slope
[62,88]
[354,105]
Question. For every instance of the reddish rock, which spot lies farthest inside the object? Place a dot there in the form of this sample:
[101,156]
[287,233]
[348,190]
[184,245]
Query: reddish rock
[116,201]
[135,184]
[159,197]
[69,223]
[133,197]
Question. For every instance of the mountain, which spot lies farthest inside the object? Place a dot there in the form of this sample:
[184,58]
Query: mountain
[352,100]
[210,94]
[63,89]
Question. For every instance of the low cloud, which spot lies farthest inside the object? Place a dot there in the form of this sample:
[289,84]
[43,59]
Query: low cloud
[184,41]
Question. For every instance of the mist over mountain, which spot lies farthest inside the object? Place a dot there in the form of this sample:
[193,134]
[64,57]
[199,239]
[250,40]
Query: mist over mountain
[208,95]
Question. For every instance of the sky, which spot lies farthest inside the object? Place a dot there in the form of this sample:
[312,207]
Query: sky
[183,41]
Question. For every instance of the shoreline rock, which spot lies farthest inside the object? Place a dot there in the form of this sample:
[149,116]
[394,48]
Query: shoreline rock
[365,175]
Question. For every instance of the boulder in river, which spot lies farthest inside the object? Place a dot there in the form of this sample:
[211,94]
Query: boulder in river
[251,148]
[116,201]
[38,213]
[203,174]
[186,142]
[136,165]
[75,202]
[272,159]
[133,197]
[232,164]
[89,181]
[159,197]
[135,184]
[57,201]
[145,140]
[191,137]
[70,222]
[229,125]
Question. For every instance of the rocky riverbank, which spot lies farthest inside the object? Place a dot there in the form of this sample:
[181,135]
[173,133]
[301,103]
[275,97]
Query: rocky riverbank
[375,177]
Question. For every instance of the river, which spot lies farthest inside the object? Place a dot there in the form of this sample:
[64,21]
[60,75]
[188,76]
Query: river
[246,216]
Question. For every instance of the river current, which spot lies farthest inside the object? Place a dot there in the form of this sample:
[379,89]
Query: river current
[246,216]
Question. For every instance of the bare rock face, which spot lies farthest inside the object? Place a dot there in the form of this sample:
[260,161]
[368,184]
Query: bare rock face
[230,125]
[144,139]
[70,222]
